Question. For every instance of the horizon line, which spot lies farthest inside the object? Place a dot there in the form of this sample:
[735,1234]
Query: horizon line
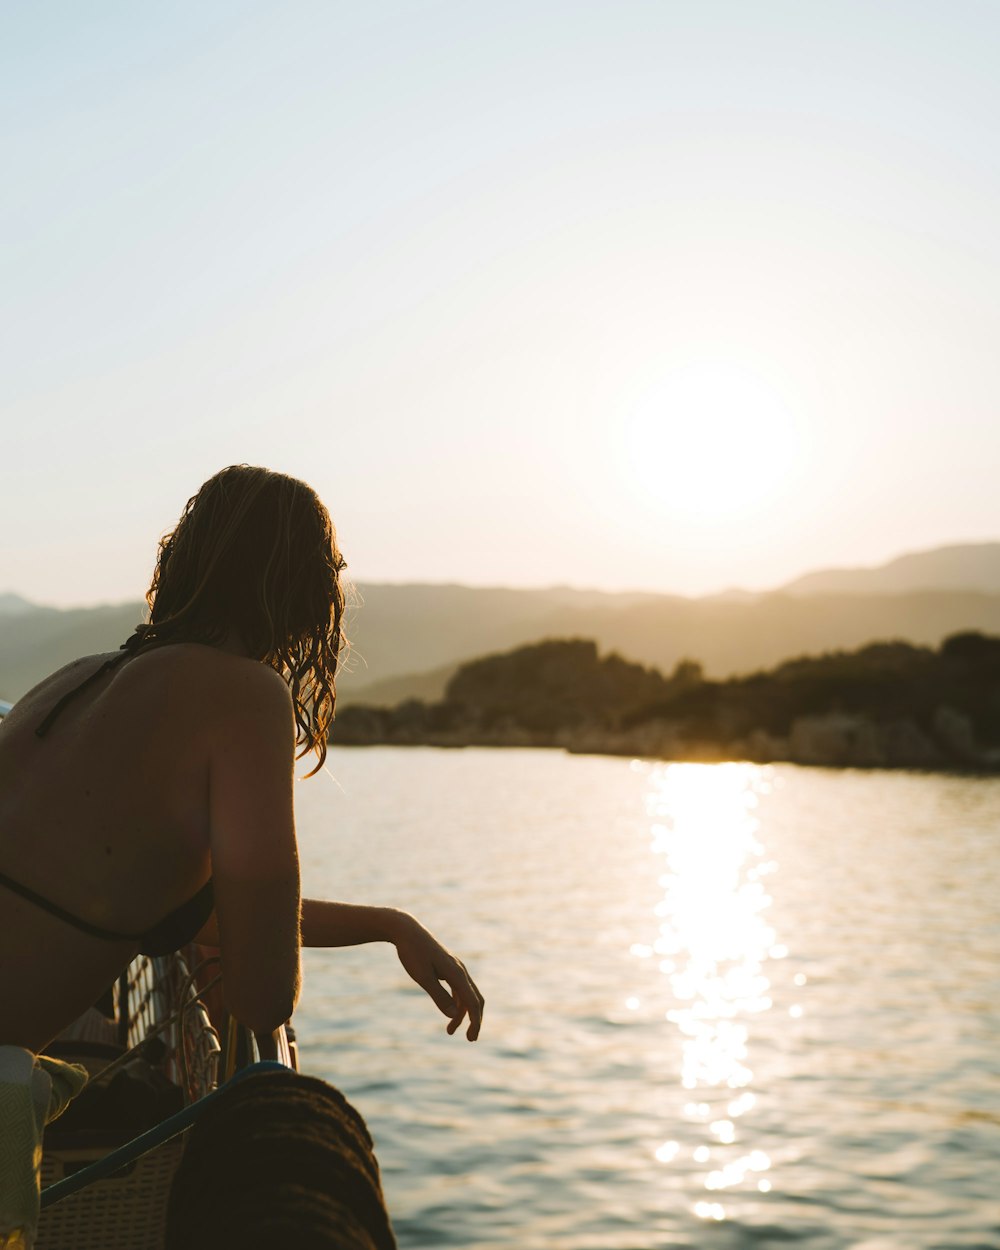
[566,587]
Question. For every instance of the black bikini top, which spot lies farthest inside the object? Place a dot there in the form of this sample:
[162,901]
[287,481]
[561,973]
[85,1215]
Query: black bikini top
[175,929]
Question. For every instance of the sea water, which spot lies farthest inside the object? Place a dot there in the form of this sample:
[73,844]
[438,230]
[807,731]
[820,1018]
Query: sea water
[727,1005]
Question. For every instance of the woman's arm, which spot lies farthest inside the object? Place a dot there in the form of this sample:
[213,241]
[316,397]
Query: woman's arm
[426,961]
[326,923]
[255,875]
[255,871]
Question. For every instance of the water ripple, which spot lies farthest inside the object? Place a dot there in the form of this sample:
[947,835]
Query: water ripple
[728,1006]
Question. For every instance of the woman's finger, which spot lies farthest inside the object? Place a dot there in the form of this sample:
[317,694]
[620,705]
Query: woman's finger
[445,1002]
[465,991]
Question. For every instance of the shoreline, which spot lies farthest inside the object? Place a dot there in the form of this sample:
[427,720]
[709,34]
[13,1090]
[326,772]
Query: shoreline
[833,741]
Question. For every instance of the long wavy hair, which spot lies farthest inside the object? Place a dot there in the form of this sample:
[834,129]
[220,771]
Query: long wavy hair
[255,555]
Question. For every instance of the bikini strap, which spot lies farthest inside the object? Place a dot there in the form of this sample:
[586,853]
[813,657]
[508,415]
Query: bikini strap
[136,639]
[128,648]
[109,935]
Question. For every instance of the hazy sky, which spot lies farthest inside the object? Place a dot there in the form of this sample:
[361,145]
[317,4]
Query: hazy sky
[665,295]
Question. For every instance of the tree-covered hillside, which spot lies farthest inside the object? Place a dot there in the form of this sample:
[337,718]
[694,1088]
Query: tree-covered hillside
[887,704]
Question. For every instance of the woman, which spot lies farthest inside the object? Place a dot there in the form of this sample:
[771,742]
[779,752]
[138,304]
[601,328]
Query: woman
[146,795]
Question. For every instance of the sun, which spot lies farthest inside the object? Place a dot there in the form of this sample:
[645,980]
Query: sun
[708,440]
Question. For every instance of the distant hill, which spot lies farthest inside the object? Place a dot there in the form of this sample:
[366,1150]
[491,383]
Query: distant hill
[428,687]
[971,566]
[408,640]
[409,631]
[14,605]
[727,638]
[885,705]
[35,641]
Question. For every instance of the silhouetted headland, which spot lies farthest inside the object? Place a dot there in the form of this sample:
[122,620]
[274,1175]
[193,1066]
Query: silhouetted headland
[886,705]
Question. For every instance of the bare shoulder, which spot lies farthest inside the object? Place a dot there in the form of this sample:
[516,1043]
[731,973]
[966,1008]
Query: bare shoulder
[204,695]
[246,677]
[40,697]
[68,675]
[233,690]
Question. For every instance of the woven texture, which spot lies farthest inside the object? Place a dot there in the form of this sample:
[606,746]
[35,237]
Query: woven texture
[125,1212]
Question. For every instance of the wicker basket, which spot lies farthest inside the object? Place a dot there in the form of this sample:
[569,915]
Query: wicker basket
[124,1212]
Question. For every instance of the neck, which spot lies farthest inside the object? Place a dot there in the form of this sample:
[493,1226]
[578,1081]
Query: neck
[233,644]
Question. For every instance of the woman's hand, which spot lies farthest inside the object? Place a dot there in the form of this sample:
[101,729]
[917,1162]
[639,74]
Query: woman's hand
[429,964]
[327,923]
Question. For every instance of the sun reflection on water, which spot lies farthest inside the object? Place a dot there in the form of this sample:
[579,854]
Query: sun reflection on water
[714,943]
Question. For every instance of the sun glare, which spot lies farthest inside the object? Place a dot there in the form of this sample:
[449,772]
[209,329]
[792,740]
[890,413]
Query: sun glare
[708,440]
[716,945]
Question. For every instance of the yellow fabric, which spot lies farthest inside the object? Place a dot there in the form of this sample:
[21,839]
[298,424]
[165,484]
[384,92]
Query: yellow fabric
[34,1090]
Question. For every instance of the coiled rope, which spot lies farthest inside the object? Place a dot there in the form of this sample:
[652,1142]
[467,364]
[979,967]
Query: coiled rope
[279,1160]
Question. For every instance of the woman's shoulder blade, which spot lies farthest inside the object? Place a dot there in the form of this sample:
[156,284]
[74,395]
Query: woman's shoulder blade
[215,673]
[231,689]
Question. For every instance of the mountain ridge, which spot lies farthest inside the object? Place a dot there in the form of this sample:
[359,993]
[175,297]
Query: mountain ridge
[953,566]
[957,566]
[408,638]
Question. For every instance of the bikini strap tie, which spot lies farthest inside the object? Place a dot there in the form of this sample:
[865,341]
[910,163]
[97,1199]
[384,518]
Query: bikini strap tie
[128,648]
[136,639]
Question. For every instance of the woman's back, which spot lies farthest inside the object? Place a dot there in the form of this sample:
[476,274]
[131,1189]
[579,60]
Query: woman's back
[106,816]
[127,782]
